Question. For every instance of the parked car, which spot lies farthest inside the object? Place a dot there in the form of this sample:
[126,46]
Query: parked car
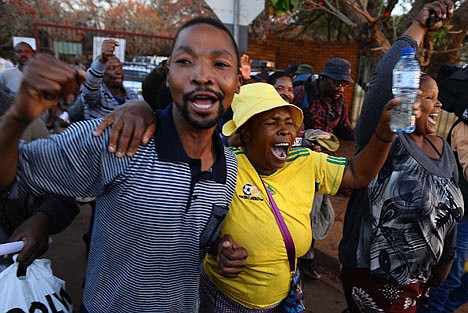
[134,75]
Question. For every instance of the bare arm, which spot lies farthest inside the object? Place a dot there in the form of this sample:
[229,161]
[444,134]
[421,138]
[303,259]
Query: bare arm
[368,162]
[440,272]
[245,67]
[379,91]
[46,80]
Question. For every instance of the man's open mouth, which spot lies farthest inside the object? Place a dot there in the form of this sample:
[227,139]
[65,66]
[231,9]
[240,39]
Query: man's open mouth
[203,102]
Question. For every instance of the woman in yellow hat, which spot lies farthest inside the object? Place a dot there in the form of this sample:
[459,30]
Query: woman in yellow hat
[270,170]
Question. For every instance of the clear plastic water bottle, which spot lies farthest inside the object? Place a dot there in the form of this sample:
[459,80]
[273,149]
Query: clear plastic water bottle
[406,74]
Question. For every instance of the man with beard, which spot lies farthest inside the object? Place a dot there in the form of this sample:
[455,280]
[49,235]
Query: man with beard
[158,212]
[103,89]
[11,77]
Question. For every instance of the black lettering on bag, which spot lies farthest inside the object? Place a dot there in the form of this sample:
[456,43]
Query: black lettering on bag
[64,299]
[38,306]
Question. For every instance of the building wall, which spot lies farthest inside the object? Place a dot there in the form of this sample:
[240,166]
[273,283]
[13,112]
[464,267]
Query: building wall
[286,52]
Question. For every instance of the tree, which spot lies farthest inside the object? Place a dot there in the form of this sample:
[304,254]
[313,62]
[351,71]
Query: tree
[369,23]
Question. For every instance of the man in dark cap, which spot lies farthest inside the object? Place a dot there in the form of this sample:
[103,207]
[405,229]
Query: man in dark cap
[325,106]
[323,103]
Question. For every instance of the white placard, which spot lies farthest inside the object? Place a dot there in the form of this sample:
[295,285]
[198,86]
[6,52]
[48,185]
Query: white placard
[29,40]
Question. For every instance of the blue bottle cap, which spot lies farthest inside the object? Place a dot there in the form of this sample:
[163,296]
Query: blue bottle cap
[408,50]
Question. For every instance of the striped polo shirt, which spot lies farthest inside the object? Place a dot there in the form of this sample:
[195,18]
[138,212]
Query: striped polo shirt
[152,212]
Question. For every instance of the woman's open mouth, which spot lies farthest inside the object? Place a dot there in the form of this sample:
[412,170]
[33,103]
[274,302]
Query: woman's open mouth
[280,150]
[433,118]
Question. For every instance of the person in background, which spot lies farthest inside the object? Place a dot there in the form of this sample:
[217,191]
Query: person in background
[10,78]
[453,292]
[291,70]
[77,64]
[325,108]
[283,83]
[302,74]
[103,89]
[158,212]
[399,231]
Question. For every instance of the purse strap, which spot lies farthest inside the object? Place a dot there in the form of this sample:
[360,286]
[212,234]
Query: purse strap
[288,241]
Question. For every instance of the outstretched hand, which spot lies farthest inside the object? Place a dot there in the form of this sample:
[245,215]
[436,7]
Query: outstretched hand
[132,124]
[231,257]
[245,67]
[383,127]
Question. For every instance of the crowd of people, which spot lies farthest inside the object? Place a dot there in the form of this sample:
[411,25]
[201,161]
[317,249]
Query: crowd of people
[204,199]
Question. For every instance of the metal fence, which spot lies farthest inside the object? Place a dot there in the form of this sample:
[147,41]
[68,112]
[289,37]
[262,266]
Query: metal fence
[69,42]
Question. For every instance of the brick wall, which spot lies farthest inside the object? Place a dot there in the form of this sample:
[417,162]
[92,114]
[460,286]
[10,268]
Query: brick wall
[286,52]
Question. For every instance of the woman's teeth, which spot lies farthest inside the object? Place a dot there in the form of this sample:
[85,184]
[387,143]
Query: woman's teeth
[433,118]
[280,150]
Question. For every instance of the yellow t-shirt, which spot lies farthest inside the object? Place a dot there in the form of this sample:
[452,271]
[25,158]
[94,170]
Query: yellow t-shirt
[250,220]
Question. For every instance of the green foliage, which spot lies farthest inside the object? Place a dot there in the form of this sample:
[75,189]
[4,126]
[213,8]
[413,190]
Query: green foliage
[439,37]
[284,5]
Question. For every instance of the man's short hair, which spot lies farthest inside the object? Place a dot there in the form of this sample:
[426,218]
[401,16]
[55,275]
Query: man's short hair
[209,21]
[25,44]
[277,75]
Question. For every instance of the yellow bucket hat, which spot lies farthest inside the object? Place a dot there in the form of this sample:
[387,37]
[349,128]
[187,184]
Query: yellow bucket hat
[256,98]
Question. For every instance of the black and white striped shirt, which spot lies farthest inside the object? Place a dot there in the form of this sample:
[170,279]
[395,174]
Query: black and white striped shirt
[151,211]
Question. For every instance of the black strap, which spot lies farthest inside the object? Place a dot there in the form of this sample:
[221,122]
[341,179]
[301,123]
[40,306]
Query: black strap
[433,146]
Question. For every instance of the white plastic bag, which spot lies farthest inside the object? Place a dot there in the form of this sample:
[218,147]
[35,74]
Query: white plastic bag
[38,291]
